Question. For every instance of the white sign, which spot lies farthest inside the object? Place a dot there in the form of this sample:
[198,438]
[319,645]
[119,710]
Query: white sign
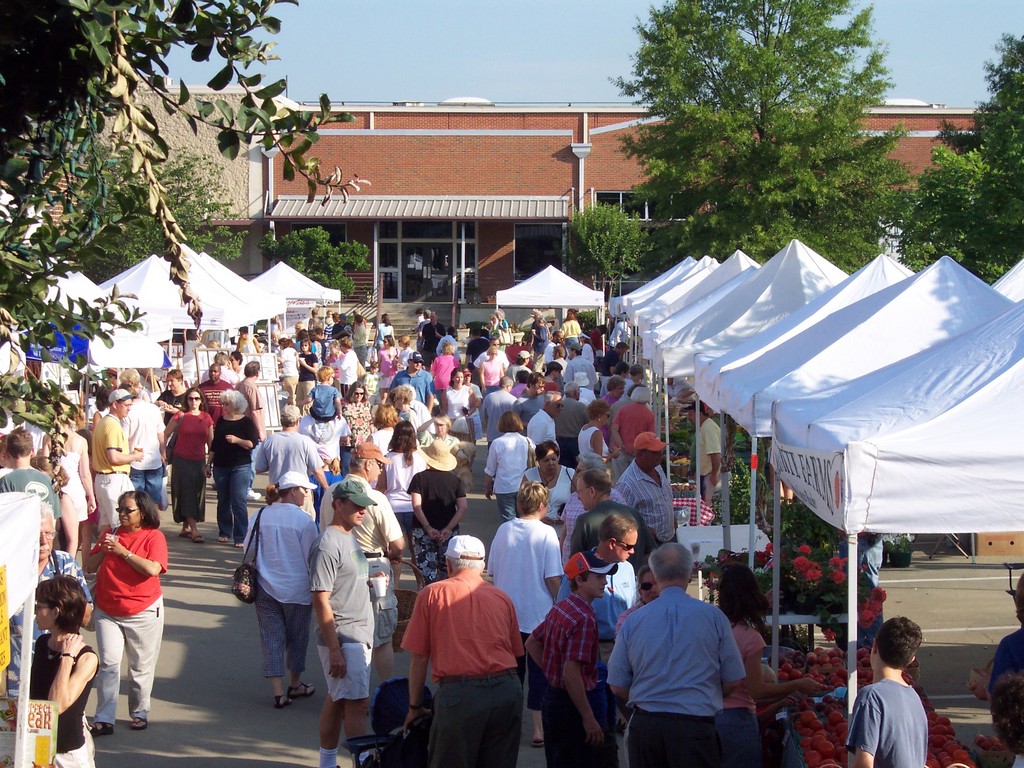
[817,477]
[297,312]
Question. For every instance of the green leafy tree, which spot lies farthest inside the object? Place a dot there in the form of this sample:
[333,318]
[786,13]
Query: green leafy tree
[193,184]
[606,243]
[970,204]
[762,138]
[72,76]
[311,252]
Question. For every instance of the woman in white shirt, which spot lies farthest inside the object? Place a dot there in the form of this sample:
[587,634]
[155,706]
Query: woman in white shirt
[591,439]
[507,460]
[556,478]
[349,369]
[526,565]
[406,461]
[384,421]
[288,360]
[384,329]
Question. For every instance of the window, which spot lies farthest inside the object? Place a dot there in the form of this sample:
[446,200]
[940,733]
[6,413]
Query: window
[628,202]
[337,232]
[537,246]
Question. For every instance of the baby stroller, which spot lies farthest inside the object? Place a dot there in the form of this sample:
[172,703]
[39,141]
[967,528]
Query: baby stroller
[388,746]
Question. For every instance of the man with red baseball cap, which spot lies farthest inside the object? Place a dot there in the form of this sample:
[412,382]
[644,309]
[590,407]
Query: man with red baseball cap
[565,647]
[646,489]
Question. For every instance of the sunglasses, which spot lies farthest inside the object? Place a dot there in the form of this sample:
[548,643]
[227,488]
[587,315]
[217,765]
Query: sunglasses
[646,586]
[358,393]
[126,511]
[625,547]
[196,397]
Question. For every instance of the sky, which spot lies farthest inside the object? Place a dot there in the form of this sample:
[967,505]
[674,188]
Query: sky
[570,52]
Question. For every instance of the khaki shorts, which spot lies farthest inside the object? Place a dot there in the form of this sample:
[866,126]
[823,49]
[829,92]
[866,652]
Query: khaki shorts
[355,685]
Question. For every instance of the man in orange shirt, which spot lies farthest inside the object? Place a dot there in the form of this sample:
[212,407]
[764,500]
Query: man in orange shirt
[468,631]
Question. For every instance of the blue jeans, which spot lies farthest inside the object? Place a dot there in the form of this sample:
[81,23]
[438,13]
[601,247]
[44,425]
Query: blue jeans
[506,505]
[741,738]
[151,481]
[232,488]
[564,737]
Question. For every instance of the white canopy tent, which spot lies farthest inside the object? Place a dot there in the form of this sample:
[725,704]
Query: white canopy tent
[674,297]
[137,349]
[636,306]
[286,282]
[550,288]
[732,273]
[228,300]
[793,277]
[619,304]
[908,447]
[1011,284]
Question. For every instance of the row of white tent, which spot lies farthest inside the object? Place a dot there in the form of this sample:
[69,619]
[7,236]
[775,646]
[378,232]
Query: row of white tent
[892,398]
[228,300]
[861,380]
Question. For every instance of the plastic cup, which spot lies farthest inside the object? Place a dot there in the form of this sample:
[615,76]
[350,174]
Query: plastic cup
[379,582]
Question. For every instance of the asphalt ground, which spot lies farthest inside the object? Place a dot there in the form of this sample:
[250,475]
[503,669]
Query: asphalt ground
[211,708]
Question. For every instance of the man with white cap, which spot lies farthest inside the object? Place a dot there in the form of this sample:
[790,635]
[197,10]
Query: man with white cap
[565,647]
[111,459]
[467,631]
[339,582]
[578,363]
[522,363]
[582,380]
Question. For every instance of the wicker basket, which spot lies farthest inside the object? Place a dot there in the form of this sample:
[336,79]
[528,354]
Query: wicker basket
[406,601]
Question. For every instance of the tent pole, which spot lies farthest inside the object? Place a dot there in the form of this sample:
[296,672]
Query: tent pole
[752,527]
[696,454]
[852,572]
[776,570]
[726,476]
[668,448]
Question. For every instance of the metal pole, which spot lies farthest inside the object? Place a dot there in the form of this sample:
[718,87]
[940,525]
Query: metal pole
[852,572]
[753,500]
[776,570]
[726,512]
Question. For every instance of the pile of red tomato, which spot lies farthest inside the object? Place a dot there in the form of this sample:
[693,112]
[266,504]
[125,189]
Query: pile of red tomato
[821,725]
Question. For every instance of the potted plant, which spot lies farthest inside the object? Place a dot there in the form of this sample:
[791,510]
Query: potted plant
[900,547]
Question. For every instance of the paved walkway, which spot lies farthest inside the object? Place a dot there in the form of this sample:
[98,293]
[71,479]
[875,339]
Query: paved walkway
[211,709]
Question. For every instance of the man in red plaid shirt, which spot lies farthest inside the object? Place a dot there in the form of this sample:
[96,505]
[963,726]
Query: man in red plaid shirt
[565,647]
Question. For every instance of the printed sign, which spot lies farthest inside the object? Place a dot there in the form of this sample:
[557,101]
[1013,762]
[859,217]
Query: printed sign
[817,477]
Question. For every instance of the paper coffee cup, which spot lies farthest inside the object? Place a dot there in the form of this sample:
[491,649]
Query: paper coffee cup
[379,581]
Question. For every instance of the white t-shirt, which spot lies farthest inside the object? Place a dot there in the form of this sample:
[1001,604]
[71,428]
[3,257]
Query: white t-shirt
[326,434]
[143,427]
[541,428]
[507,458]
[382,438]
[522,555]
[289,362]
[399,476]
[349,369]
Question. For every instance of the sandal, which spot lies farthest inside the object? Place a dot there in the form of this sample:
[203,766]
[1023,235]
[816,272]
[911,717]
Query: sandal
[139,724]
[101,729]
[223,540]
[198,540]
[239,545]
[302,689]
[280,702]
[185,535]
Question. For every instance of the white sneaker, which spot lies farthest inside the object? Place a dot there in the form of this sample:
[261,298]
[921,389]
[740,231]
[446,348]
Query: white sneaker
[254,495]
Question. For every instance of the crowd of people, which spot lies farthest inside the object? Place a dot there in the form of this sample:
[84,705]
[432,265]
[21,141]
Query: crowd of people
[369,473]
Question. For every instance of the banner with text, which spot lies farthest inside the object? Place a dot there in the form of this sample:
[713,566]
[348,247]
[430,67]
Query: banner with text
[817,477]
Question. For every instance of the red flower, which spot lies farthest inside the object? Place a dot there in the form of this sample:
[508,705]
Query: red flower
[829,634]
[838,577]
[801,564]
[878,594]
[813,573]
[804,549]
[865,619]
[875,605]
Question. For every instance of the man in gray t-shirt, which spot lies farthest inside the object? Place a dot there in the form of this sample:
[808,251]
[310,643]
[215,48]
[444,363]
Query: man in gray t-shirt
[339,581]
[291,451]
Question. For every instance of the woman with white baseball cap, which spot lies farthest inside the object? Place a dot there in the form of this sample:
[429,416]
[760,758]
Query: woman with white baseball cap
[282,536]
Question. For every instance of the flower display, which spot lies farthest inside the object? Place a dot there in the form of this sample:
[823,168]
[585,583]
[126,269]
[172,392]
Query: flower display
[813,581]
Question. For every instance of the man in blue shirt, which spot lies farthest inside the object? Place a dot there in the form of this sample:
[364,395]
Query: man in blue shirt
[674,661]
[420,380]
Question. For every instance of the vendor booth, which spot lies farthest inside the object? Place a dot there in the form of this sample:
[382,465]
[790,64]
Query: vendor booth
[550,288]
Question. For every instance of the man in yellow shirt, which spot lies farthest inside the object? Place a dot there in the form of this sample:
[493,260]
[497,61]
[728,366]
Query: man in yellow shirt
[111,458]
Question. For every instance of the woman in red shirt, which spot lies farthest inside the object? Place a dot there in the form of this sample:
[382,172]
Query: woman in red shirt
[129,609]
[194,429]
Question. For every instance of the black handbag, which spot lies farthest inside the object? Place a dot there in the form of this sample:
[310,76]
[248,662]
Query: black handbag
[246,577]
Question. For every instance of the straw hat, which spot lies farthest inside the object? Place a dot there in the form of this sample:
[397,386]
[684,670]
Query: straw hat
[439,456]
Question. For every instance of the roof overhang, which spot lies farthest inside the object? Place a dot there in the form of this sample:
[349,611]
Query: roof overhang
[530,207]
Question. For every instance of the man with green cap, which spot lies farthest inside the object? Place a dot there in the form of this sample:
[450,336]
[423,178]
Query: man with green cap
[339,580]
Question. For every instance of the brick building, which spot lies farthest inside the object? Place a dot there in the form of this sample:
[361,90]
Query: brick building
[468,197]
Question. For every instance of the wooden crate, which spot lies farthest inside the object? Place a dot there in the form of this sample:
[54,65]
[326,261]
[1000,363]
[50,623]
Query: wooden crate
[1010,543]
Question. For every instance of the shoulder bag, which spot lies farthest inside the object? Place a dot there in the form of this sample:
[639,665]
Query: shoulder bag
[246,577]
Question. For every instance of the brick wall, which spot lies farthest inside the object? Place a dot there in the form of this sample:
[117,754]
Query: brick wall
[495,245]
